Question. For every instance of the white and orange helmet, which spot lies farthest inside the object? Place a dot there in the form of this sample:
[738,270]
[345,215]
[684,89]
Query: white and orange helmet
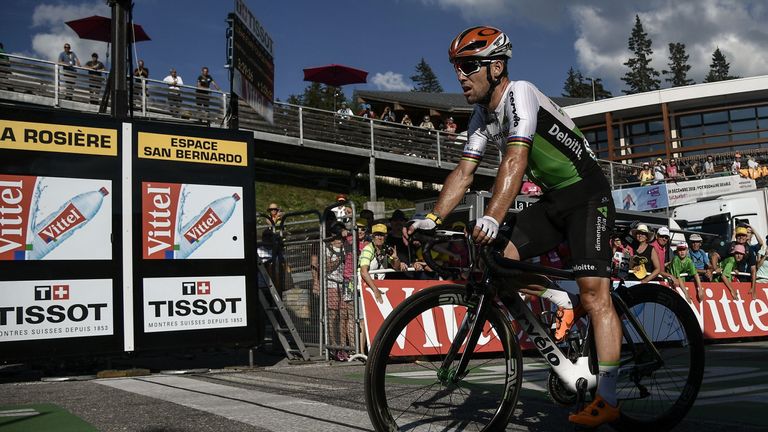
[480,42]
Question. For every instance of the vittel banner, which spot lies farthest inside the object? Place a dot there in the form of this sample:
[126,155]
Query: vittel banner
[54,218]
[194,303]
[54,309]
[187,221]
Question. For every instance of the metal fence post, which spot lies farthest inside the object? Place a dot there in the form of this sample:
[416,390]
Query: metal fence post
[301,126]
[143,97]
[223,106]
[55,85]
[439,158]
[372,169]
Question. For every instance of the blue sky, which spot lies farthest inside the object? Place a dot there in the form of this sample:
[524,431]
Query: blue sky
[389,37]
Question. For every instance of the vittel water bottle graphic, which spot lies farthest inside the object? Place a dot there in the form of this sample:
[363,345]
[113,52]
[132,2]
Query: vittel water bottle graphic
[61,224]
[200,228]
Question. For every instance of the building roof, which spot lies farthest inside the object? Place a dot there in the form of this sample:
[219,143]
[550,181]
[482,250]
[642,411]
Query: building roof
[444,102]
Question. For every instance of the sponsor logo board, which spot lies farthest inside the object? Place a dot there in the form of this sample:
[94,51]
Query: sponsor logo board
[45,137]
[54,218]
[194,303]
[54,309]
[192,149]
[183,221]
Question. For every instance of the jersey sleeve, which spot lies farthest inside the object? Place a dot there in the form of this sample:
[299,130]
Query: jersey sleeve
[476,140]
[522,111]
[366,255]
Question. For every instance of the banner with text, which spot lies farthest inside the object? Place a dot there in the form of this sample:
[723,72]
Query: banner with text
[192,149]
[55,309]
[194,303]
[642,198]
[690,191]
[54,218]
[45,137]
[188,221]
[719,316]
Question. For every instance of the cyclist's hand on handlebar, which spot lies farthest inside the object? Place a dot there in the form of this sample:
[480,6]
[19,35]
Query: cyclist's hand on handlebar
[486,229]
[418,224]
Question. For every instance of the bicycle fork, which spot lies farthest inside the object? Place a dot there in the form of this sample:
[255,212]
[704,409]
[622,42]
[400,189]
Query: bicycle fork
[471,325]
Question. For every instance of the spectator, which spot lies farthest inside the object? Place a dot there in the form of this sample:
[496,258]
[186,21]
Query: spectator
[406,120]
[661,244]
[141,71]
[335,289]
[376,256]
[753,168]
[659,171]
[458,249]
[363,237]
[345,112]
[709,166]
[672,169]
[700,258]
[395,237]
[762,267]
[96,67]
[204,83]
[368,216]
[388,115]
[174,91]
[646,257]
[69,59]
[274,214]
[622,255]
[530,188]
[427,123]
[450,129]
[682,263]
[367,112]
[736,267]
[342,212]
[736,165]
[646,174]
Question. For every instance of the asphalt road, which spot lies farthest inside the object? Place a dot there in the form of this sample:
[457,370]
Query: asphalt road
[283,397]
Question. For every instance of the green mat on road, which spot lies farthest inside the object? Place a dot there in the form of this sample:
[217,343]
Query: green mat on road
[40,418]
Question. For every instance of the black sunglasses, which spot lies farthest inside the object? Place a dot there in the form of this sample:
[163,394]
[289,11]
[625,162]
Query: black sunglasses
[274,209]
[468,67]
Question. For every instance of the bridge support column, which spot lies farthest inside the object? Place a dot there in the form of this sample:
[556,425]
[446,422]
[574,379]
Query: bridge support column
[372,179]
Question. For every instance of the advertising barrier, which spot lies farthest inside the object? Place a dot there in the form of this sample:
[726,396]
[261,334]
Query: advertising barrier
[123,236]
[719,316]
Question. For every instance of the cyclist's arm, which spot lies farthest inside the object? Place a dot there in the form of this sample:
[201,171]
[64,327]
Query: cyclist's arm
[509,179]
[456,185]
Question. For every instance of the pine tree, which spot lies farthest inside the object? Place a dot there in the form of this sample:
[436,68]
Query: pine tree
[678,66]
[425,79]
[641,76]
[319,96]
[719,69]
[577,86]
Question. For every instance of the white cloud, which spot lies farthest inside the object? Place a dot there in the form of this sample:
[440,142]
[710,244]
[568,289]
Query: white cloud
[50,20]
[736,27]
[390,81]
[546,13]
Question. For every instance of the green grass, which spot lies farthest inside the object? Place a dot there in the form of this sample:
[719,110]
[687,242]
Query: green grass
[46,418]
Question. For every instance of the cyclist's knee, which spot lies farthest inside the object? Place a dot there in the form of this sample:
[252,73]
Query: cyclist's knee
[595,294]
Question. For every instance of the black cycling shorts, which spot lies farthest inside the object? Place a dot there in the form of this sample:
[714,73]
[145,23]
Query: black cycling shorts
[582,213]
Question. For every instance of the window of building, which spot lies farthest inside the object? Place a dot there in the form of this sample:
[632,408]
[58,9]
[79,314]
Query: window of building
[598,140]
[645,136]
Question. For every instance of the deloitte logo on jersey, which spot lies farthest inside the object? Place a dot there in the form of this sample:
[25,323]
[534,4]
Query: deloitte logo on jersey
[574,144]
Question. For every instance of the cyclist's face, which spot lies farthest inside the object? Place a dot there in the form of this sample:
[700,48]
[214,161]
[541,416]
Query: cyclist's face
[473,78]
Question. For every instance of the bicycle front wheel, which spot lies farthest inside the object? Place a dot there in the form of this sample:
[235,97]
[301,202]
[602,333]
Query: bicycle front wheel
[410,387]
[657,391]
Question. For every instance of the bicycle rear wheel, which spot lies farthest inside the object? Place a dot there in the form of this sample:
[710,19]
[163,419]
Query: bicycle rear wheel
[656,393]
[406,388]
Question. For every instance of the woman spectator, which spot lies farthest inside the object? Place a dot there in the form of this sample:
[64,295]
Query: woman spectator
[406,120]
[646,174]
[709,166]
[388,115]
[645,263]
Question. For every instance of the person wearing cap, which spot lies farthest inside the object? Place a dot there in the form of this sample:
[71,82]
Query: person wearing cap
[735,267]
[96,67]
[645,263]
[659,171]
[736,165]
[342,212]
[700,258]
[646,174]
[661,244]
[682,263]
[376,256]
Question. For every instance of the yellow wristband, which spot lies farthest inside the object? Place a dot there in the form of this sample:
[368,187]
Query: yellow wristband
[435,218]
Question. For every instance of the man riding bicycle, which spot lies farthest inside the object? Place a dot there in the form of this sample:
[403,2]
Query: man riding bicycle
[538,139]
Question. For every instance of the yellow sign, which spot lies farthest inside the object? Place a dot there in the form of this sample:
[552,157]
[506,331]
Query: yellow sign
[15,135]
[192,149]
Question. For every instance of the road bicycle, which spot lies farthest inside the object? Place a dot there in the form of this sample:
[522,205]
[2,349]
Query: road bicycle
[473,382]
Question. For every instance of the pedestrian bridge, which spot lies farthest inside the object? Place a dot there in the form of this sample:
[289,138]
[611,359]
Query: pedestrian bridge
[298,134]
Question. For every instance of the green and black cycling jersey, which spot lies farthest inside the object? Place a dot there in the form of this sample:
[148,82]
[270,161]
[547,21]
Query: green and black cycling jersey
[559,155]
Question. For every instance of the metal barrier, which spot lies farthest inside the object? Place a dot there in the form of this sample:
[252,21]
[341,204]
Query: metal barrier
[46,83]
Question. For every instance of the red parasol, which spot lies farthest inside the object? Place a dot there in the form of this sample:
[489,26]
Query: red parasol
[99,28]
[335,75]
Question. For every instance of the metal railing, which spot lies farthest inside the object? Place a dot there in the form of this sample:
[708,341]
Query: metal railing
[47,83]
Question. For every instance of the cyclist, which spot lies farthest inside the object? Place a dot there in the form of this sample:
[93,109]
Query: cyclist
[538,139]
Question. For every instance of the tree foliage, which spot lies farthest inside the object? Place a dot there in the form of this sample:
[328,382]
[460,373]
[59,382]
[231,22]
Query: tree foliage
[641,76]
[425,79]
[578,86]
[678,66]
[319,96]
[719,70]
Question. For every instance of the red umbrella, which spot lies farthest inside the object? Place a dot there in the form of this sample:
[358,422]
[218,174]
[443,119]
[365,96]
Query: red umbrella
[335,75]
[99,28]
